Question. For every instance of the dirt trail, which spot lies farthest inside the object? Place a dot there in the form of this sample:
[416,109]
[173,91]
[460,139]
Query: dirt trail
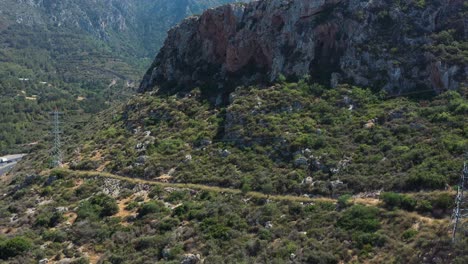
[292,198]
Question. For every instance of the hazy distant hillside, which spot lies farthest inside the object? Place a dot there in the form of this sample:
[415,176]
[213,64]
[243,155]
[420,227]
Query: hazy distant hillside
[80,55]
[135,27]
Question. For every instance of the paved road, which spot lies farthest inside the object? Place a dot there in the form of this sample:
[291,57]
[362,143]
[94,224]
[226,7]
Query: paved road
[13,159]
[6,168]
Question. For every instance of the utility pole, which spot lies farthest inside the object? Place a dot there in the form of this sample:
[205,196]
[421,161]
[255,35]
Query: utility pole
[56,151]
[460,213]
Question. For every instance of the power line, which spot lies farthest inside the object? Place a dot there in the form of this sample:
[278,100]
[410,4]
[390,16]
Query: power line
[409,93]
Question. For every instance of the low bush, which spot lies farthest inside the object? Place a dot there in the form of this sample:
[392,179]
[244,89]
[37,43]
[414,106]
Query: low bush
[48,219]
[107,205]
[409,234]
[360,218]
[98,206]
[151,207]
[373,239]
[14,246]
[343,201]
[54,236]
[395,200]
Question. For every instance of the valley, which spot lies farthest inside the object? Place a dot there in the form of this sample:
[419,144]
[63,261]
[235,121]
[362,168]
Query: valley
[71,55]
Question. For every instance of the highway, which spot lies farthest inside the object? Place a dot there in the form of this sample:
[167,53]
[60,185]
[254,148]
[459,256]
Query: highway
[12,160]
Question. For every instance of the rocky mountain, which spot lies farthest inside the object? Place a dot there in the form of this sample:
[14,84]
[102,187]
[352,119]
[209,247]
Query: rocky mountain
[289,172]
[396,46]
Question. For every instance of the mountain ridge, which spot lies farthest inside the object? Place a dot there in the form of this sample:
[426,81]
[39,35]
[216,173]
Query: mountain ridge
[332,41]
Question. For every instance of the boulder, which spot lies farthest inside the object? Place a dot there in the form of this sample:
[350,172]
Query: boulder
[301,161]
[190,259]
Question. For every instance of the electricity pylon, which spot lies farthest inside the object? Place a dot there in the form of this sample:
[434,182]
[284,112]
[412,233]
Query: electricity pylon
[56,151]
[460,213]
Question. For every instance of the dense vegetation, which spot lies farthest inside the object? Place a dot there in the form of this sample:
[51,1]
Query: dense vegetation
[105,220]
[347,140]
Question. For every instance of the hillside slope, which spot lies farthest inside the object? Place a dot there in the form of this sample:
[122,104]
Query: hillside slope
[288,138]
[68,217]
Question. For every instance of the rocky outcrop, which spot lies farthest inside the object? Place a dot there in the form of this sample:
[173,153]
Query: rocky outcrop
[380,44]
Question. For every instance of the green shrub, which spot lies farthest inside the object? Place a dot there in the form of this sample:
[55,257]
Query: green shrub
[117,259]
[87,210]
[106,205]
[408,203]
[218,231]
[47,191]
[424,206]
[132,205]
[168,224]
[146,242]
[213,229]
[360,218]
[343,201]
[391,199]
[320,257]
[85,190]
[100,205]
[373,239]
[286,249]
[394,200]
[265,234]
[409,234]
[81,260]
[443,201]
[48,219]
[177,196]
[155,191]
[442,204]
[151,208]
[14,246]
[85,165]
[54,236]
[426,180]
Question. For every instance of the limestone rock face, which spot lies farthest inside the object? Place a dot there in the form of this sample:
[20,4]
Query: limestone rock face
[374,43]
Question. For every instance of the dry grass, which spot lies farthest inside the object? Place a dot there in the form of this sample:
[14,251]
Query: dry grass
[102,166]
[90,253]
[71,218]
[367,201]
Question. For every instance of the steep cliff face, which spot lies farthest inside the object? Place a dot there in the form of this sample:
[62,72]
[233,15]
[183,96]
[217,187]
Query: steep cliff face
[379,44]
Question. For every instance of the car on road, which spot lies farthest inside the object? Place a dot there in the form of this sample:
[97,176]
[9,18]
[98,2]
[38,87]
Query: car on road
[3,160]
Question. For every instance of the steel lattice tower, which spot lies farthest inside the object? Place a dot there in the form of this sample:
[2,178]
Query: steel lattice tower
[460,213]
[57,146]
